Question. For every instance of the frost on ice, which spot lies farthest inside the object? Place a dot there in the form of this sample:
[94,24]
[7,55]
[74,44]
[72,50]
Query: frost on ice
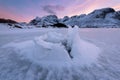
[57,49]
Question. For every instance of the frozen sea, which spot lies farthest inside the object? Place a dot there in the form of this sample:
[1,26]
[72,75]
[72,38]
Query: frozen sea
[107,66]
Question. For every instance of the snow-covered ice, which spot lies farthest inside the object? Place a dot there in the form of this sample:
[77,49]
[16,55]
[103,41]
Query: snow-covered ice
[83,52]
[48,49]
[42,55]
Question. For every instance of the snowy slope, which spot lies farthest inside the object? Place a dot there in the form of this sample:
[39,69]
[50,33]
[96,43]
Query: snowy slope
[99,18]
[4,26]
[44,21]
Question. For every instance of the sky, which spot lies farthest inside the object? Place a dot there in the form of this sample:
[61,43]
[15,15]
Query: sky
[26,10]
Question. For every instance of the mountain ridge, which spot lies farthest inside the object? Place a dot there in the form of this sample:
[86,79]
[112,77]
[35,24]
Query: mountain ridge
[99,18]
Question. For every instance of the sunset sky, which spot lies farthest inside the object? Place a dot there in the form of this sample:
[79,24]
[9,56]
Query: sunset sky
[25,10]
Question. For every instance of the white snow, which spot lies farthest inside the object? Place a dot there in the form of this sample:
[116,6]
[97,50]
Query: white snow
[40,54]
[48,49]
[4,26]
[83,52]
[45,21]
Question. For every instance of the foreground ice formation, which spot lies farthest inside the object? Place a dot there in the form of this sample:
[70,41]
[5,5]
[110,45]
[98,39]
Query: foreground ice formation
[83,52]
[54,48]
[52,56]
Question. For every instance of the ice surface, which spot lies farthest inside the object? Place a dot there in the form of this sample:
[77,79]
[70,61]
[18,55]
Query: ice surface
[48,49]
[4,26]
[26,56]
[40,51]
[83,52]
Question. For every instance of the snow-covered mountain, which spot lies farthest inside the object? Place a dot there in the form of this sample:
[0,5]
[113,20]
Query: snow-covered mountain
[106,17]
[99,18]
[47,21]
[9,24]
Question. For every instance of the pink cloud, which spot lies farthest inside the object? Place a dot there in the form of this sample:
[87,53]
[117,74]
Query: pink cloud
[76,7]
[88,6]
[116,7]
[8,14]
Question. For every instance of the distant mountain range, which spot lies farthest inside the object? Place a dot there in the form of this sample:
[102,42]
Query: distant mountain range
[2,20]
[100,18]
